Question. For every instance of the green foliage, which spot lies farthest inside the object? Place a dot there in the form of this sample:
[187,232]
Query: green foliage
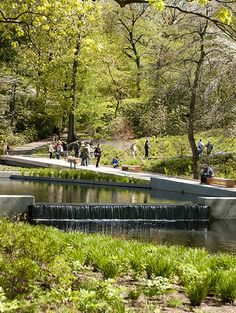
[100,297]
[110,268]
[198,287]
[174,303]
[82,175]
[226,286]
[5,304]
[43,269]
[134,293]
[157,286]
[174,167]
[159,265]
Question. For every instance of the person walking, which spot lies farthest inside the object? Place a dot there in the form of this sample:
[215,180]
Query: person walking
[133,150]
[98,154]
[85,154]
[76,148]
[50,150]
[146,148]
[5,148]
[58,150]
[82,154]
[200,147]
[65,150]
[209,147]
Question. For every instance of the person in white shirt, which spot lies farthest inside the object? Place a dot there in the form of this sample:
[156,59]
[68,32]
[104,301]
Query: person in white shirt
[5,148]
[50,150]
[200,147]
[133,150]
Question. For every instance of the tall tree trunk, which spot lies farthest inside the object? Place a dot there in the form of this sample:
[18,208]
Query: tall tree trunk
[137,61]
[138,77]
[193,103]
[12,104]
[71,127]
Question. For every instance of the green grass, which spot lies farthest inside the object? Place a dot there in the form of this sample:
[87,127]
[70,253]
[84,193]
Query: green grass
[43,269]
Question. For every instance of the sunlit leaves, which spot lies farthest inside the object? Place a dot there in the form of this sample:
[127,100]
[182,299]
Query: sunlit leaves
[225,16]
[159,4]
[204,2]
[14,44]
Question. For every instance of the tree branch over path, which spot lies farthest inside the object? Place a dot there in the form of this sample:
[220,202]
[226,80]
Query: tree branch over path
[226,28]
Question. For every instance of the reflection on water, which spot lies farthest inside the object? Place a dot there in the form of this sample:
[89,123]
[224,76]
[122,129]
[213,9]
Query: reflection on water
[218,236]
[60,193]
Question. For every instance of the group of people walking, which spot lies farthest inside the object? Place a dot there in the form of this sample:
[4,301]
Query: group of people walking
[80,149]
[201,146]
[85,151]
[133,149]
[59,148]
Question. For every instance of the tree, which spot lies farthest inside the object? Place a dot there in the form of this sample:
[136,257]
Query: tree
[133,33]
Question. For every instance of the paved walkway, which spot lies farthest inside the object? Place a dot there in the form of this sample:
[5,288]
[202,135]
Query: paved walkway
[21,156]
[29,148]
[62,163]
[158,182]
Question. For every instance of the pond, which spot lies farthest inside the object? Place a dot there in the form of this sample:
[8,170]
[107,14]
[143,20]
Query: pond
[217,236]
[60,193]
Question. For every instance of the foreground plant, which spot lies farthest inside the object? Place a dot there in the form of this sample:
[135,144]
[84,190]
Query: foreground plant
[43,269]
[198,288]
[227,285]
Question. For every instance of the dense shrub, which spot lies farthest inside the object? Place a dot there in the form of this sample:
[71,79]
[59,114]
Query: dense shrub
[174,167]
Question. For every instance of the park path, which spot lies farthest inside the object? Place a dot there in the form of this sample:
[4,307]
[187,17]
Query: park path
[21,156]
[29,148]
[23,153]
[159,182]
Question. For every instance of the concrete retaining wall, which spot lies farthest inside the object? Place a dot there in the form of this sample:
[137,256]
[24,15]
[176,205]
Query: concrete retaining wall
[8,174]
[221,208]
[14,204]
[190,187]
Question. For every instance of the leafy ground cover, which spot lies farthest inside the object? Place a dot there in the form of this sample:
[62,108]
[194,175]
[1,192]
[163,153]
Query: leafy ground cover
[81,175]
[46,270]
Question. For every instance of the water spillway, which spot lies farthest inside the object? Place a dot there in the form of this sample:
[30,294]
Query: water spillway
[118,212]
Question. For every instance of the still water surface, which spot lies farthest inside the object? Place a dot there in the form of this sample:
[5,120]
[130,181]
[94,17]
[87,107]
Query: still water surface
[217,236]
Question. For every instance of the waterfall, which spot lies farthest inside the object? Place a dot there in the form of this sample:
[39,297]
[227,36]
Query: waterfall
[118,212]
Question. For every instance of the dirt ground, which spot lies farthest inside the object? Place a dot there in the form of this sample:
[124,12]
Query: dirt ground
[174,302]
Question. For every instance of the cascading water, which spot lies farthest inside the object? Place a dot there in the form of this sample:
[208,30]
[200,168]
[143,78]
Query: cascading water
[75,216]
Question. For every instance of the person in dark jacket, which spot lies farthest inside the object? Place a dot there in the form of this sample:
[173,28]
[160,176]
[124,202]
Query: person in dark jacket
[209,147]
[76,148]
[97,154]
[65,149]
[206,172]
[146,148]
